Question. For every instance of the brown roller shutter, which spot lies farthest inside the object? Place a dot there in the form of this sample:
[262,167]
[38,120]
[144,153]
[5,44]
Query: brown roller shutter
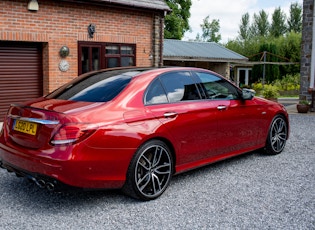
[21,75]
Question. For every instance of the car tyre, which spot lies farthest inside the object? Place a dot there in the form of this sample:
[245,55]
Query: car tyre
[150,171]
[277,136]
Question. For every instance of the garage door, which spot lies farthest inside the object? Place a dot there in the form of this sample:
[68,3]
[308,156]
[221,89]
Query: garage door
[21,75]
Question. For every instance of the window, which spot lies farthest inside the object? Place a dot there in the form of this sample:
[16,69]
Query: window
[215,87]
[101,87]
[172,87]
[117,55]
[179,86]
[155,93]
[111,49]
[95,56]
[89,58]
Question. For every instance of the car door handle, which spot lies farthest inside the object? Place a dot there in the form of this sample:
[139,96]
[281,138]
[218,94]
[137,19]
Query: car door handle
[170,114]
[221,107]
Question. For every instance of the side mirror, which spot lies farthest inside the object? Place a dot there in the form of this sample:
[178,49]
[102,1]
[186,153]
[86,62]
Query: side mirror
[248,94]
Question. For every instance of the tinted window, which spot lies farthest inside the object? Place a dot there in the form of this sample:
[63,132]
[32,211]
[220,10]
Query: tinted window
[215,87]
[101,87]
[179,86]
[155,93]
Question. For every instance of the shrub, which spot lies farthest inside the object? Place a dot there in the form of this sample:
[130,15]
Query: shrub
[270,91]
[257,87]
[289,82]
[304,102]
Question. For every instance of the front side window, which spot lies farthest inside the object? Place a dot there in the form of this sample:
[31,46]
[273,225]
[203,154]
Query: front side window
[179,86]
[171,88]
[215,87]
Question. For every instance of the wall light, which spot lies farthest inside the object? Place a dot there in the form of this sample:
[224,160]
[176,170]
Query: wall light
[64,51]
[91,30]
[33,5]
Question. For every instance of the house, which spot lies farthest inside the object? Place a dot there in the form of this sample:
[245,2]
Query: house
[46,43]
[207,55]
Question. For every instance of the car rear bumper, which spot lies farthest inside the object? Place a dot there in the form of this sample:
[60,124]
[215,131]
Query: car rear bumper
[73,171]
[42,181]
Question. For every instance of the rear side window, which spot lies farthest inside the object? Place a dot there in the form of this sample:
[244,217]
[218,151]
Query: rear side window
[155,93]
[96,88]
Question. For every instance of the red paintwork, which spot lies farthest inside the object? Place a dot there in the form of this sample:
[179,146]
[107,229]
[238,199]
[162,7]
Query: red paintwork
[199,134]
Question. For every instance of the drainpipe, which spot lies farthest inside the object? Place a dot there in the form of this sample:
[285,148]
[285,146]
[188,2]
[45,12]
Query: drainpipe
[161,38]
[312,77]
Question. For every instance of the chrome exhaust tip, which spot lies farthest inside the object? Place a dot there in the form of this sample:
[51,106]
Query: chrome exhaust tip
[40,183]
[50,186]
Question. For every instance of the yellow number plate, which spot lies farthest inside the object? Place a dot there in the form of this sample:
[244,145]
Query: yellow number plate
[25,127]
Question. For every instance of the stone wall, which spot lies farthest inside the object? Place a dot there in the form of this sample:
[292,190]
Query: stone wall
[306,49]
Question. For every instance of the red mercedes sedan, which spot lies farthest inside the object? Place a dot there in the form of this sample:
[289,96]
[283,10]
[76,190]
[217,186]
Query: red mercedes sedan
[134,128]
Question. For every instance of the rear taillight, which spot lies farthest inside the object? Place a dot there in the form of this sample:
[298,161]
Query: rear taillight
[72,133]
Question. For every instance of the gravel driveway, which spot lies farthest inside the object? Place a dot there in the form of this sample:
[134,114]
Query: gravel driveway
[252,191]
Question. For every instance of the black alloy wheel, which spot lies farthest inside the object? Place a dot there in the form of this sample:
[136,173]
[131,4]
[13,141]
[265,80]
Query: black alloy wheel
[150,171]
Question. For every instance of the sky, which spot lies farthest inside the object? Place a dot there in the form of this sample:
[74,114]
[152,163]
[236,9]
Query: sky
[229,13]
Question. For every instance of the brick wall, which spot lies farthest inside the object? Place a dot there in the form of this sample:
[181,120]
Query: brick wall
[60,23]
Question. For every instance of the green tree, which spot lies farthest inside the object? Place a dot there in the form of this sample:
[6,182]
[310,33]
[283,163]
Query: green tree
[260,25]
[281,47]
[295,18]
[285,48]
[267,52]
[245,48]
[278,26]
[210,30]
[290,48]
[176,22]
[198,38]
[244,32]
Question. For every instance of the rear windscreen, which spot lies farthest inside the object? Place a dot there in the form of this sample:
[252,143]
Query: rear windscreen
[101,87]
